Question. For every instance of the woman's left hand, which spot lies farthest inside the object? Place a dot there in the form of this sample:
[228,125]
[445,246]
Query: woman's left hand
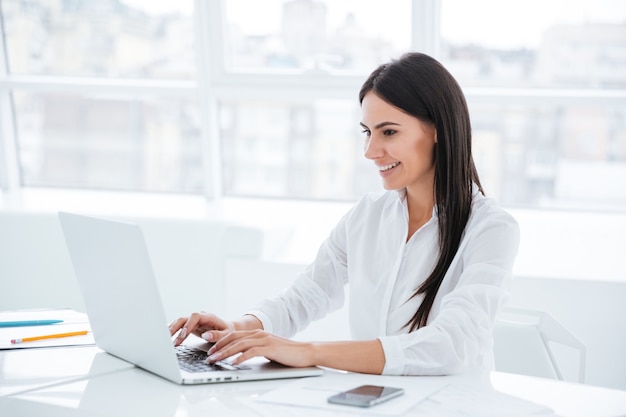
[252,343]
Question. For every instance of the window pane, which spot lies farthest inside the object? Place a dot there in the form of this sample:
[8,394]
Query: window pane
[121,144]
[535,43]
[126,38]
[552,156]
[311,35]
[295,150]
[3,164]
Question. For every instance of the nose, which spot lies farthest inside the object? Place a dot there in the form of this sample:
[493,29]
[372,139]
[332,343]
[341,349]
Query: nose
[372,149]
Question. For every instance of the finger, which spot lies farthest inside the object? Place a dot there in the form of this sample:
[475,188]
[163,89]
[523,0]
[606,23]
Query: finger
[219,344]
[214,335]
[249,354]
[187,328]
[225,338]
[234,343]
[206,322]
[176,325]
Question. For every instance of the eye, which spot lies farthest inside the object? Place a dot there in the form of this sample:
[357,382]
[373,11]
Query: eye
[367,132]
[388,132]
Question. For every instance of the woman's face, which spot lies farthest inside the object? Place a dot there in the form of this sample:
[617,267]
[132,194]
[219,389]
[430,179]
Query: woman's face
[401,145]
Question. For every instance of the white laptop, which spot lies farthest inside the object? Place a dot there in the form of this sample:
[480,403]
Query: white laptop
[123,303]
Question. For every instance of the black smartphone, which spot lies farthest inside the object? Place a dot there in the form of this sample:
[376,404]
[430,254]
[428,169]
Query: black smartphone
[365,395]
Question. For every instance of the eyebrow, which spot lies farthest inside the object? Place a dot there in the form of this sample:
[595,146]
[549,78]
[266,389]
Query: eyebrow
[381,125]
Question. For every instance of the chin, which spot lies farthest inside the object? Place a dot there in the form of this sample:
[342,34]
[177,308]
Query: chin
[391,187]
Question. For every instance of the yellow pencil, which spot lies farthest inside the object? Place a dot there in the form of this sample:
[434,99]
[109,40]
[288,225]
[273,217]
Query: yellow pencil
[49,336]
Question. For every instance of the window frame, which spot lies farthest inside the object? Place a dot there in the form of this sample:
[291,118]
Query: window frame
[9,179]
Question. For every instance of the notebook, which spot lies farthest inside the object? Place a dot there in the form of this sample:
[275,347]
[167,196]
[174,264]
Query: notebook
[122,300]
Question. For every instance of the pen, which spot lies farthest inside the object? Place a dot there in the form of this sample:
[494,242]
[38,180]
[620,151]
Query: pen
[49,336]
[21,323]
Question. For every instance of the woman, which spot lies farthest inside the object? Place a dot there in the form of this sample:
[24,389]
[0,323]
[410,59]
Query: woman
[427,262]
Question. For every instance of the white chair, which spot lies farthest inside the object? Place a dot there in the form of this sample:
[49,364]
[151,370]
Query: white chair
[533,343]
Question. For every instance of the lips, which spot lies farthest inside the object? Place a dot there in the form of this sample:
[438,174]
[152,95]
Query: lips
[384,168]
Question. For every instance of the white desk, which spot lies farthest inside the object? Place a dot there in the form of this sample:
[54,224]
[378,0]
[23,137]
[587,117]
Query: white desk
[81,381]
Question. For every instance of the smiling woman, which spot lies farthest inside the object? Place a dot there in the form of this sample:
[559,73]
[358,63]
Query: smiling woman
[426,262]
[193,97]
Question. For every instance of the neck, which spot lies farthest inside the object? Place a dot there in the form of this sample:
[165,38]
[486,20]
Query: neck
[420,201]
[420,207]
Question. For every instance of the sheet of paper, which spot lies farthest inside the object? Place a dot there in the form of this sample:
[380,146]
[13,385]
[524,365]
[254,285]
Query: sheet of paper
[73,321]
[313,392]
[463,399]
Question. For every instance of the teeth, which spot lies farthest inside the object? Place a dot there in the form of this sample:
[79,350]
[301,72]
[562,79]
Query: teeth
[388,167]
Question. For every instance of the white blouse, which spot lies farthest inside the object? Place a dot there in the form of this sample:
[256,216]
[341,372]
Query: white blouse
[368,251]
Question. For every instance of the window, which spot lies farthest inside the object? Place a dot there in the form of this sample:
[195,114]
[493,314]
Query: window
[117,143]
[102,95]
[535,43]
[127,38]
[249,98]
[306,149]
[304,36]
[553,132]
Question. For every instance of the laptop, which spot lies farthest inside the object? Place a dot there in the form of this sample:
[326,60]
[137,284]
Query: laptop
[119,288]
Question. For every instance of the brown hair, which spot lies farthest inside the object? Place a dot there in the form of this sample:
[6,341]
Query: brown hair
[422,87]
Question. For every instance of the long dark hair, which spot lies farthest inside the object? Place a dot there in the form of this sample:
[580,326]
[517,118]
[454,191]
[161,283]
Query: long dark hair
[420,86]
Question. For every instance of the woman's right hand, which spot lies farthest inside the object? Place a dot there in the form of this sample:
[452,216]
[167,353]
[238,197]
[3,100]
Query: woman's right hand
[199,323]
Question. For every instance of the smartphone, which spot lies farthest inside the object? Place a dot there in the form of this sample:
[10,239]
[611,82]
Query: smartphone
[365,395]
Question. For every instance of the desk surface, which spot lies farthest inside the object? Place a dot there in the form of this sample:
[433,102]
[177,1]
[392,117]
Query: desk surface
[86,381]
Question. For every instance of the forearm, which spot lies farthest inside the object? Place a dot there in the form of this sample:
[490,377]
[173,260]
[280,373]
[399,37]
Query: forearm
[365,357]
[248,322]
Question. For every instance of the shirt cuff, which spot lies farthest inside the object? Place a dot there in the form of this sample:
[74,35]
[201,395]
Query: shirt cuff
[263,318]
[394,355]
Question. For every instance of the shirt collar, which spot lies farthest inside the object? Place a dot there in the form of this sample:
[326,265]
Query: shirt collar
[402,194]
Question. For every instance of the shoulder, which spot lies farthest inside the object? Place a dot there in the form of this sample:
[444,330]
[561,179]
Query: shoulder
[380,197]
[372,208]
[487,215]
[491,236]
[376,202]
[487,209]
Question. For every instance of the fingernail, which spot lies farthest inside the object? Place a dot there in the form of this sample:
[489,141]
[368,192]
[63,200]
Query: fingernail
[207,336]
[183,333]
[214,356]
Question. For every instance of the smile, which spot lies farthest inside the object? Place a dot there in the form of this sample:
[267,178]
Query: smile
[388,167]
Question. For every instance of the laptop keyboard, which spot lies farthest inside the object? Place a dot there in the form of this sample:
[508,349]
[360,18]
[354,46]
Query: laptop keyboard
[191,359]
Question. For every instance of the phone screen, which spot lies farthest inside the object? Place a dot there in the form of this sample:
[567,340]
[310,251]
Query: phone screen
[366,395]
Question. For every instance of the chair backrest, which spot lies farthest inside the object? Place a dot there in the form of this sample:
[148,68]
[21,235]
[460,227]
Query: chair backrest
[533,343]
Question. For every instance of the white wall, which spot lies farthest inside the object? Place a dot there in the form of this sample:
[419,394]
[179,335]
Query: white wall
[187,255]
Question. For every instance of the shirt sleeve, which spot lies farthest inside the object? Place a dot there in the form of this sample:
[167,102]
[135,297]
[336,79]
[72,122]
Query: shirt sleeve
[459,334]
[319,290]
